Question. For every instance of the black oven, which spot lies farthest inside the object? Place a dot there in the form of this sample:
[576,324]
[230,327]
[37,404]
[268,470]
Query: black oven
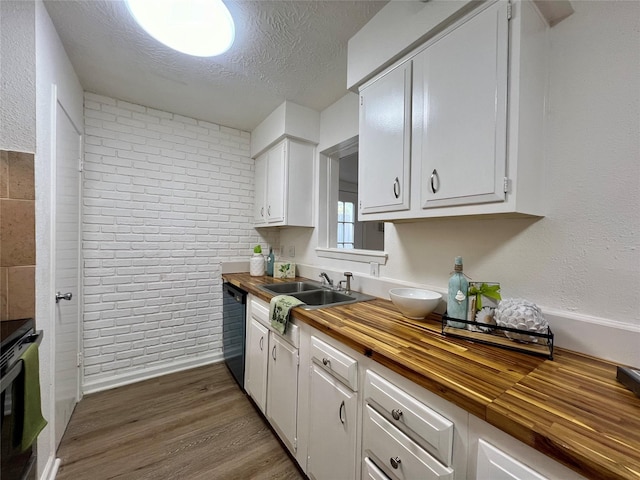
[16,336]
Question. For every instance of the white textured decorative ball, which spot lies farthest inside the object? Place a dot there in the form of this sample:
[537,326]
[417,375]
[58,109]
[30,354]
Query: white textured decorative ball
[523,315]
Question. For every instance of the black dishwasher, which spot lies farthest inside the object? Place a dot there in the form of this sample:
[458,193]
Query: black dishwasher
[234,302]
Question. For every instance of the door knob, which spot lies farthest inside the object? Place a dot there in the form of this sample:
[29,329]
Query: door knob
[63,296]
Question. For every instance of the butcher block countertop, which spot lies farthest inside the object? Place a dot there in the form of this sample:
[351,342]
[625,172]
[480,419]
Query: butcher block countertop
[571,408]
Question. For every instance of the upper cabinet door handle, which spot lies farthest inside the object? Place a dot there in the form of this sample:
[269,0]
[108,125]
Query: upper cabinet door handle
[396,187]
[434,177]
[63,296]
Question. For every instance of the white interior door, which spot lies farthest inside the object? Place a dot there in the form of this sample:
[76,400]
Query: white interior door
[68,155]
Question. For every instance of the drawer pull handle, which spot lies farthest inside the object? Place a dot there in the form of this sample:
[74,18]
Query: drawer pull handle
[261,343]
[273,353]
[395,462]
[326,362]
[340,412]
[434,177]
[396,187]
[396,413]
[262,212]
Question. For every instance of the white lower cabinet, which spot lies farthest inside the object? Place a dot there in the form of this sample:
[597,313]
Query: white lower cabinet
[272,371]
[494,464]
[403,436]
[495,455]
[395,453]
[370,471]
[256,362]
[282,388]
[345,417]
[332,429]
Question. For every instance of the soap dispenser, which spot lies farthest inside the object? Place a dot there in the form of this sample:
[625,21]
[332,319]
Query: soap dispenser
[457,300]
[271,258]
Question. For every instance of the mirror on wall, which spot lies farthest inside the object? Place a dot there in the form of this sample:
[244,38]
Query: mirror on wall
[350,232]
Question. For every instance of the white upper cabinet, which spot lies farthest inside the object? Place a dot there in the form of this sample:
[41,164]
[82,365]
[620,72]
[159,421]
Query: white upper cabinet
[284,185]
[385,142]
[277,180]
[461,112]
[476,123]
[260,204]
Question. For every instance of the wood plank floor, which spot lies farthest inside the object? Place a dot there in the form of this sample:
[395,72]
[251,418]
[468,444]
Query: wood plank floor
[195,425]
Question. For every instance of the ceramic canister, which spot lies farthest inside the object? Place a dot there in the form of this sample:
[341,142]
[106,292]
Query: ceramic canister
[256,265]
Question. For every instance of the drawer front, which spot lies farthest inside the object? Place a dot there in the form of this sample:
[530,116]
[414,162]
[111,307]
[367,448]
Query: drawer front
[395,453]
[371,472]
[430,429]
[260,311]
[494,464]
[340,365]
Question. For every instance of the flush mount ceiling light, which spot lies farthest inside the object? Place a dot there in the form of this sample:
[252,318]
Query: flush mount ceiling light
[202,28]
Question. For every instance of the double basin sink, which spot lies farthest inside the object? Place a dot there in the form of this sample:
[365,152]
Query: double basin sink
[315,295]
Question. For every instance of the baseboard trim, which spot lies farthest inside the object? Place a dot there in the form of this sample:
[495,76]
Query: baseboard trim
[148,373]
[51,469]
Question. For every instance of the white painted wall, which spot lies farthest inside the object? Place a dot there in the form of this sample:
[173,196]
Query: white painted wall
[580,263]
[17,76]
[339,122]
[53,70]
[166,200]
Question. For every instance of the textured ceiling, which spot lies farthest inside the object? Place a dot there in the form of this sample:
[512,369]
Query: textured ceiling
[284,50]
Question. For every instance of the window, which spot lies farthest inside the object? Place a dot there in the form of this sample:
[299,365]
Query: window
[338,178]
[346,224]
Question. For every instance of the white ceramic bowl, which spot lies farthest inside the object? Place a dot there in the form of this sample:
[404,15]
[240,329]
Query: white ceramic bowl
[415,303]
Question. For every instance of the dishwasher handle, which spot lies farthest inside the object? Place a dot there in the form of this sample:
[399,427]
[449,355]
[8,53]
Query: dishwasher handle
[239,296]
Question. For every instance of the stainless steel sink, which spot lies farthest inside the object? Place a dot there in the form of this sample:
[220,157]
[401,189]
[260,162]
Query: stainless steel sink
[315,295]
[291,287]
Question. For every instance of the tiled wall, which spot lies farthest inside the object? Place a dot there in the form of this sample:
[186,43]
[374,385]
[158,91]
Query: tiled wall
[166,200]
[17,236]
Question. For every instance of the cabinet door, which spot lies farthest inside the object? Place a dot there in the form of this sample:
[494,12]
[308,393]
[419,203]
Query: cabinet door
[332,430]
[277,182]
[461,87]
[256,362]
[384,143]
[494,464]
[282,389]
[260,209]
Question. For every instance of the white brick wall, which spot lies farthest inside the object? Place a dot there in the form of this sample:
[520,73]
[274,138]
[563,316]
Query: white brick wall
[166,200]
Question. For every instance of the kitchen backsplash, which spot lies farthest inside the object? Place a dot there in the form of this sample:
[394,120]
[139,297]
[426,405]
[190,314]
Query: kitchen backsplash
[17,235]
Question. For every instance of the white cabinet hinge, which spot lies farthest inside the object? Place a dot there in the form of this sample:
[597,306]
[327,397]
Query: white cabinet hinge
[506,186]
[509,12]
[361,100]
[80,165]
[297,359]
[79,360]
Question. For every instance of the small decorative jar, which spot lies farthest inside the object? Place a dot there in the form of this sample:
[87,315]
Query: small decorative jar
[256,265]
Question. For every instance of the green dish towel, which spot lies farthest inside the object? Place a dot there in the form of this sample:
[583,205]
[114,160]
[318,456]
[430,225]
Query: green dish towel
[279,311]
[29,420]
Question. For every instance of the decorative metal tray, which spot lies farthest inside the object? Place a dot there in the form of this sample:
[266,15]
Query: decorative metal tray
[540,344]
